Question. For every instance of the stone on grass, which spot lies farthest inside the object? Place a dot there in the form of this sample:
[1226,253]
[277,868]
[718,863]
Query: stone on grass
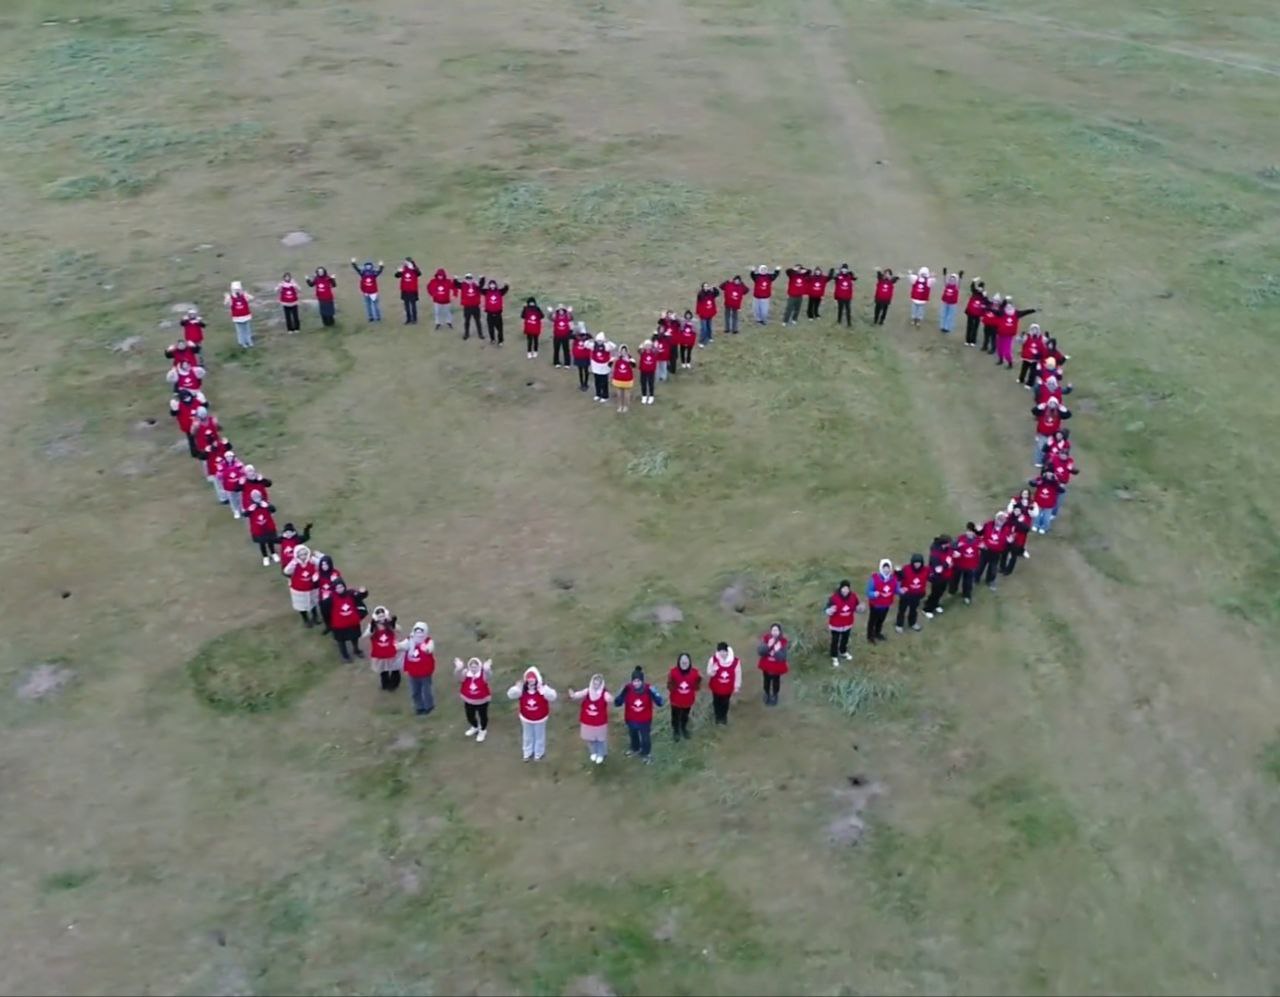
[664,614]
[182,307]
[294,239]
[734,598]
[126,345]
[44,681]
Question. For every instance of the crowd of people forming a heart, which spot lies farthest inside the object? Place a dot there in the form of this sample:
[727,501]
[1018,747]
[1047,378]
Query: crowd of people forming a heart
[952,569]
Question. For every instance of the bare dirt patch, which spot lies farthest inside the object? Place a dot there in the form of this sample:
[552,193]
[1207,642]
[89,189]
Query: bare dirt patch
[44,681]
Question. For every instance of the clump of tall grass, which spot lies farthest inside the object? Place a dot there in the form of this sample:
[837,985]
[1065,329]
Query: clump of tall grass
[855,695]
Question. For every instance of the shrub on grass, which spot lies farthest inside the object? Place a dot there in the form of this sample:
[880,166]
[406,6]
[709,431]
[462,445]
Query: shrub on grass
[855,695]
[258,669]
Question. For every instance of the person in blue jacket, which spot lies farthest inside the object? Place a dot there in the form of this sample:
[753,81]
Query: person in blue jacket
[637,699]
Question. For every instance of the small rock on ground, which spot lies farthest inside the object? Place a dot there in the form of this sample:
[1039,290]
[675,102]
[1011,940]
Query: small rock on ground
[294,239]
[44,681]
[126,345]
[405,742]
[182,307]
[734,598]
[562,582]
[663,614]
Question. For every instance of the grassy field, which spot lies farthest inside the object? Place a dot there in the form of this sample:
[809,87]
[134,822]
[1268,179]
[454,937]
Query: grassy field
[1072,786]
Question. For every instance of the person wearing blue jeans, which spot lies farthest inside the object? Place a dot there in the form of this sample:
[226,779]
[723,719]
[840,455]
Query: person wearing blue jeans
[1047,495]
[369,275]
[706,312]
[244,333]
[950,300]
[638,698]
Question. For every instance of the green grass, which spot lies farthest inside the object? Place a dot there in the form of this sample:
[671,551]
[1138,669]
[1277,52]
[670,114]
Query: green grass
[258,669]
[68,879]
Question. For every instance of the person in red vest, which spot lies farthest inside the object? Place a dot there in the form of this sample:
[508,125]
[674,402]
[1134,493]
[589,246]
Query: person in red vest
[601,366]
[841,606]
[193,327]
[327,576]
[941,569]
[991,313]
[913,577]
[185,377]
[734,290]
[1007,331]
[1051,389]
[469,297]
[668,321]
[967,556]
[772,654]
[1045,493]
[882,588]
[440,288]
[301,572]
[473,687]
[1017,526]
[647,362]
[531,316]
[346,610]
[797,288]
[287,291]
[683,683]
[593,717]
[624,378]
[231,477]
[262,528]
[1031,353]
[885,279]
[921,290]
[561,335]
[535,698]
[238,304]
[845,281]
[816,289]
[494,296]
[687,338]
[418,659]
[991,541]
[724,679]
[290,541]
[323,283]
[1049,417]
[183,407]
[706,306]
[369,274]
[384,649]
[249,482]
[974,309]
[637,699]
[581,350]
[662,346]
[762,279]
[182,352]
[408,273]
[950,300]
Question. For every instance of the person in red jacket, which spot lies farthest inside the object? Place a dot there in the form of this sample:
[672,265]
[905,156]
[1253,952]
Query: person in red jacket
[561,335]
[469,292]
[637,699]
[440,287]
[683,683]
[346,610]
[531,316]
[1045,494]
[593,717]
[287,293]
[845,281]
[991,541]
[262,529]
[601,366]
[967,556]
[882,589]
[494,296]
[885,279]
[384,648]
[687,338]
[193,327]
[816,289]
[647,362]
[734,290]
[1049,417]
[419,663]
[473,687]
[941,569]
[369,274]
[841,606]
[991,313]
[1017,526]
[182,406]
[706,306]
[797,288]
[1007,331]
[772,653]
[323,284]
[950,300]
[974,309]
[1031,352]
[668,321]
[913,577]
[724,679]
[663,349]
[762,279]
[581,350]
[408,273]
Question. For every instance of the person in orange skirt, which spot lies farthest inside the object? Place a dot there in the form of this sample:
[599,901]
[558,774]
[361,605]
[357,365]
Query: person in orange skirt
[773,662]
[624,378]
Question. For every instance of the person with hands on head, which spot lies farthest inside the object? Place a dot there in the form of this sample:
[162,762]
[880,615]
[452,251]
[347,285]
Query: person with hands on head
[724,679]
[193,327]
[469,293]
[494,298]
[637,699]
[974,309]
[473,688]
[706,306]
[369,274]
[238,303]
[593,717]
[841,606]
[762,279]
[408,273]
[772,653]
[797,288]
[885,280]
[531,316]
[346,610]
[561,336]
[535,698]
[921,290]
[846,282]
[816,290]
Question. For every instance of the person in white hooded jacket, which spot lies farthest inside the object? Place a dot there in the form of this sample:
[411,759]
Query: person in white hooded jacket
[535,698]
[724,679]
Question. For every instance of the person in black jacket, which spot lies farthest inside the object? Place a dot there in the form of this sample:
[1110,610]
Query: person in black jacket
[941,566]
[408,274]
[531,315]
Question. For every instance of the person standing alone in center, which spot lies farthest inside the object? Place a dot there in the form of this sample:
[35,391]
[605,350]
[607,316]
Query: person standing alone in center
[772,652]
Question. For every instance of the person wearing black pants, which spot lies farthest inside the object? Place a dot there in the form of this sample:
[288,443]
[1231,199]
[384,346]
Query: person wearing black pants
[470,313]
[287,290]
[885,279]
[882,587]
[913,577]
[990,319]
[473,678]
[967,557]
[724,679]
[941,566]
[880,311]
[844,311]
[493,301]
[683,683]
[993,545]
[973,310]
[686,355]
[1016,546]
[408,274]
[493,320]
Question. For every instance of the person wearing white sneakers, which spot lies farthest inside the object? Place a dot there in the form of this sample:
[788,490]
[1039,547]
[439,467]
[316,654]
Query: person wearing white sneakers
[601,365]
[531,315]
[473,678]
[840,608]
[593,717]
[941,566]
[535,698]
[418,662]
[262,527]
[647,362]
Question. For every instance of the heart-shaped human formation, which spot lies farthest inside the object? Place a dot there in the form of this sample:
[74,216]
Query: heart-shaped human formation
[953,566]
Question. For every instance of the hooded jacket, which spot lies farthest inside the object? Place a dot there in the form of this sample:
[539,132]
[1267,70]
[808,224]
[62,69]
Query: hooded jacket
[535,705]
[418,652]
[595,698]
[473,679]
[723,670]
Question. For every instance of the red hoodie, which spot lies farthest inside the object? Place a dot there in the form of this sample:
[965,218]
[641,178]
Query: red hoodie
[440,287]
